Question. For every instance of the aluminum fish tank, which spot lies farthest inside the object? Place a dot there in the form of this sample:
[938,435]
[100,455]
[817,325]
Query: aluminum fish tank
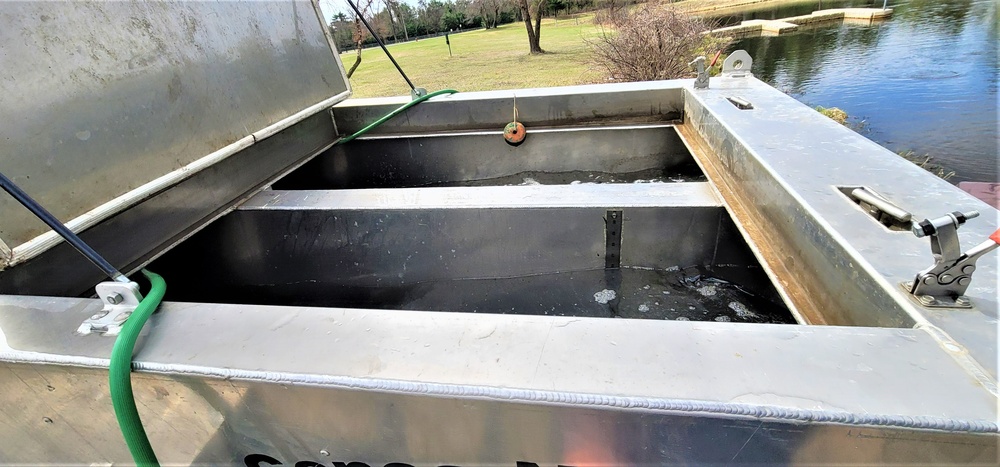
[661,273]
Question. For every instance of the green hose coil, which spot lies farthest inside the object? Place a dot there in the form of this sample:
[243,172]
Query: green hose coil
[120,374]
[396,112]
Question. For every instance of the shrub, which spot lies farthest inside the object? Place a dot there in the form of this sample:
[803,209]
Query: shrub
[650,42]
[834,114]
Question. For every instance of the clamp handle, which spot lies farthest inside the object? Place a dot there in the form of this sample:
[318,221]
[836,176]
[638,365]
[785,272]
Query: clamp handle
[701,81]
[944,283]
[930,227]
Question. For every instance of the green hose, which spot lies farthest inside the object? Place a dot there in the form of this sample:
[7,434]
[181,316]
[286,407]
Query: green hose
[120,374]
[396,112]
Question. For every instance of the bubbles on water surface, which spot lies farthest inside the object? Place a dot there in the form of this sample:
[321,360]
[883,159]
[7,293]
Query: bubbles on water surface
[604,296]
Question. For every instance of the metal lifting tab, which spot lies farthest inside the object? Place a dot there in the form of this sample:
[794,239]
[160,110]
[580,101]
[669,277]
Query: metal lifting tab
[737,65]
[943,285]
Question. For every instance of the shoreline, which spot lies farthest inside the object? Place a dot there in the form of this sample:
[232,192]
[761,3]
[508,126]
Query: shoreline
[712,6]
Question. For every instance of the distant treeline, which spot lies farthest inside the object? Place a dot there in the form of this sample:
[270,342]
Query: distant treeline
[396,21]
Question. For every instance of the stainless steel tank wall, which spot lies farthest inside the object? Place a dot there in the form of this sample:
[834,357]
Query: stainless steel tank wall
[107,103]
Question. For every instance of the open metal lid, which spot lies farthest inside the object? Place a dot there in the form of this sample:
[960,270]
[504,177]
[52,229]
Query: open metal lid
[106,104]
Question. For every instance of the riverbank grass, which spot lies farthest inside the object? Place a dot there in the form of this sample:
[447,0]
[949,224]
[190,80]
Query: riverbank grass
[482,60]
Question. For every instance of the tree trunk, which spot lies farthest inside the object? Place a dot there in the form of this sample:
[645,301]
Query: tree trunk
[538,24]
[532,34]
[392,23]
[359,38]
[406,34]
[356,63]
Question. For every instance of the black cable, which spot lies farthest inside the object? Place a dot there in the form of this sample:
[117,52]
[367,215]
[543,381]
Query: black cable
[60,229]
[381,44]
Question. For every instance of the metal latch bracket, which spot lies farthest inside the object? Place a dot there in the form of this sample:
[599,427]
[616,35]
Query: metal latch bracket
[943,285]
[120,300]
[701,81]
[879,207]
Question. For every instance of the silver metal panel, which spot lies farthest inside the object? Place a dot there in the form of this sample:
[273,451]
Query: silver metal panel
[219,382]
[103,99]
[351,246]
[154,225]
[602,104]
[537,196]
[563,154]
[382,386]
[792,172]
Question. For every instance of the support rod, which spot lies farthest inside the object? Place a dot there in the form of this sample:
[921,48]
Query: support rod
[380,43]
[74,240]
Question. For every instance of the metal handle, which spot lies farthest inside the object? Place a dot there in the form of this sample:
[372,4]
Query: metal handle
[931,226]
[882,204]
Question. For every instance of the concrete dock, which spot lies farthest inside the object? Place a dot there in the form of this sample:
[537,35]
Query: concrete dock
[765,27]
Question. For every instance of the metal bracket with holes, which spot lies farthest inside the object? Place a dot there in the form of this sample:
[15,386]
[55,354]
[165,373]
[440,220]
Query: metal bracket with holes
[943,285]
[737,65]
[120,300]
[613,239]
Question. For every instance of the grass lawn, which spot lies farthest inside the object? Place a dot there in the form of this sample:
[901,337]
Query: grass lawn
[483,60]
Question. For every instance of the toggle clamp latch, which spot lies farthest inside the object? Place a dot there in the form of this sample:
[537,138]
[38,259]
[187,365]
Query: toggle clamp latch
[943,285]
[701,81]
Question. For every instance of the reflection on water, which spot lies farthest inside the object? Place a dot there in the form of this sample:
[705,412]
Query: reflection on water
[780,10]
[689,294]
[925,80]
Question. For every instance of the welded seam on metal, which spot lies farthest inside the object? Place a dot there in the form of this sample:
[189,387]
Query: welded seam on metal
[959,354]
[553,397]
[524,395]
[49,239]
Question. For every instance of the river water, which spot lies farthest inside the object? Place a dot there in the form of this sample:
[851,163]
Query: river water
[924,80]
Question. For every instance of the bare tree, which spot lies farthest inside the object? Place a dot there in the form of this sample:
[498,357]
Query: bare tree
[490,11]
[534,34]
[392,22]
[400,17]
[359,33]
[653,41]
